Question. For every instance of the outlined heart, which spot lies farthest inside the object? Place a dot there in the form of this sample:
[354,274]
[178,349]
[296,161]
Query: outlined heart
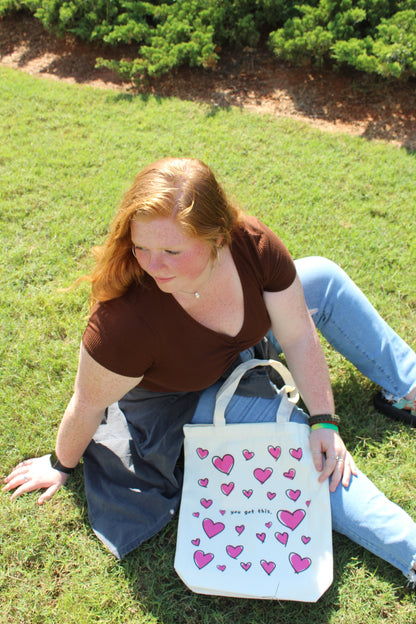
[221,568]
[196,541]
[262,475]
[227,488]
[290,474]
[202,559]
[268,566]
[246,566]
[240,528]
[202,453]
[248,454]
[293,494]
[291,519]
[212,528]
[271,495]
[224,464]
[274,451]
[296,453]
[222,512]
[247,493]
[261,536]
[282,537]
[268,525]
[196,514]
[234,551]
[205,503]
[203,482]
[305,539]
[299,564]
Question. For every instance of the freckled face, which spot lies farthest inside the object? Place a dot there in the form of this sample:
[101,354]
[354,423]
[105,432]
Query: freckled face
[176,261]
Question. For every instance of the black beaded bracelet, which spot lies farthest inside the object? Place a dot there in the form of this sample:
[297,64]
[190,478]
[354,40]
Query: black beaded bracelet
[332,419]
[56,464]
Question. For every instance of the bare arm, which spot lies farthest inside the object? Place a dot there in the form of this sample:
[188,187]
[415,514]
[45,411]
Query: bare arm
[95,389]
[295,331]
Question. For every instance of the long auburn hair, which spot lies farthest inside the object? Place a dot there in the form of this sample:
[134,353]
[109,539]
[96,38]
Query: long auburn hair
[184,189]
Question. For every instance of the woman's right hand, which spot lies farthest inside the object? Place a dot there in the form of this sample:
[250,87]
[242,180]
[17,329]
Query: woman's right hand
[35,474]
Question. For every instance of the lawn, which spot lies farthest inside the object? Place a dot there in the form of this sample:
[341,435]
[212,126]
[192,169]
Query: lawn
[67,154]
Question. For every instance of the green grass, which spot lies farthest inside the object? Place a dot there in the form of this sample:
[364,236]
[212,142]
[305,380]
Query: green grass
[67,154]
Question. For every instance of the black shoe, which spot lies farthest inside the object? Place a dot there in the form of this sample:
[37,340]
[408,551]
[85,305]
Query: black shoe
[404,409]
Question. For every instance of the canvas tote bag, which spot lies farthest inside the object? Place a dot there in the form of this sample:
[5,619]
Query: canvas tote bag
[254,521]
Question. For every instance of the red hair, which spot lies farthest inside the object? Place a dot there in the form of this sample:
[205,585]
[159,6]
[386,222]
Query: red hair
[181,188]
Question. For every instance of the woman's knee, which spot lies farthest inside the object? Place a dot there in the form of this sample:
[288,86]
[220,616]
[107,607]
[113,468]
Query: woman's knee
[318,268]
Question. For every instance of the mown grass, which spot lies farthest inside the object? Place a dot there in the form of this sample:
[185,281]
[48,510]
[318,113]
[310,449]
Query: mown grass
[66,156]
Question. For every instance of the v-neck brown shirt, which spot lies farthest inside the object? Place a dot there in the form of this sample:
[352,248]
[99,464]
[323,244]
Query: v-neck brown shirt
[146,332]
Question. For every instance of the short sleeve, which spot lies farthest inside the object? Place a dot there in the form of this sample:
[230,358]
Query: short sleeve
[119,340]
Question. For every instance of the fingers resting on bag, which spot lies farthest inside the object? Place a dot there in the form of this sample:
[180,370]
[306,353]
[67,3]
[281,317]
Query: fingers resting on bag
[331,458]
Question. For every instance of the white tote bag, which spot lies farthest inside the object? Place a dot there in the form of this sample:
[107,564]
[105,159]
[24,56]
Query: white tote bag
[254,521]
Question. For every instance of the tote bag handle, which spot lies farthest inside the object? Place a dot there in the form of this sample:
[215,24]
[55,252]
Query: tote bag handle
[289,391]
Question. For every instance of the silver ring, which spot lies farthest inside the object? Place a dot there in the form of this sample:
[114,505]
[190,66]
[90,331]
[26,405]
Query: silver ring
[338,458]
[25,478]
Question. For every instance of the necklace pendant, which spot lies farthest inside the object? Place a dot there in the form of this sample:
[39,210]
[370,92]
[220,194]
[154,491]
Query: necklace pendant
[197,295]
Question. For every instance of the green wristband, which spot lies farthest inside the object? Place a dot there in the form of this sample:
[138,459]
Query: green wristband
[325,426]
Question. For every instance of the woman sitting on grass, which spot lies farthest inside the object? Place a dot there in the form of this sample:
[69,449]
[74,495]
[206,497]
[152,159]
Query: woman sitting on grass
[184,289]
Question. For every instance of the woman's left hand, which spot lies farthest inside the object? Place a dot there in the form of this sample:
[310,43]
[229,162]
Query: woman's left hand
[330,457]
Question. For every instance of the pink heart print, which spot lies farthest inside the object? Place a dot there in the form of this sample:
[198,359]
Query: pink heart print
[202,453]
[274,451]
[268,566]
[305,539]
[227,488]
[293,494]
[202,559]
[222,512]
[224,464]
[282,537]
[271,495]
[221,568]
[291,519]
[245,566]
[196,514]
[261,536]
[212,528]
[205,503]
[290,474]
[248,454]
[240,528]
[247,493]
[262,475]
[296,453]
[234,551]
[196,541]
[203,482]
[299,564]
[268,525]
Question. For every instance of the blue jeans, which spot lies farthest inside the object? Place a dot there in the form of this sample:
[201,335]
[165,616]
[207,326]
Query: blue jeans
[346,318]
[360,511]
[352,326]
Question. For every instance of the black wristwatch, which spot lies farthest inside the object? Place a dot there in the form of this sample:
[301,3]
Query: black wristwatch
[56,464]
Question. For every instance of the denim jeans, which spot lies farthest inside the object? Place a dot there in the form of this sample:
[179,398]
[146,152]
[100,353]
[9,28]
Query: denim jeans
[346,318]
[352,326]
[360,511]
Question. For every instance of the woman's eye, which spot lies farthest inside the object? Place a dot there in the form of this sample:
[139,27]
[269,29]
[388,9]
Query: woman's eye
[172,253]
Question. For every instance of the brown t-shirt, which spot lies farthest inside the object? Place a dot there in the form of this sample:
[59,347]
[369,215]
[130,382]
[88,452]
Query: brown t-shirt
[146,331]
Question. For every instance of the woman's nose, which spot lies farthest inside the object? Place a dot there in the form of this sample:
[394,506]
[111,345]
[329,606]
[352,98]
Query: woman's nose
[156,263]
